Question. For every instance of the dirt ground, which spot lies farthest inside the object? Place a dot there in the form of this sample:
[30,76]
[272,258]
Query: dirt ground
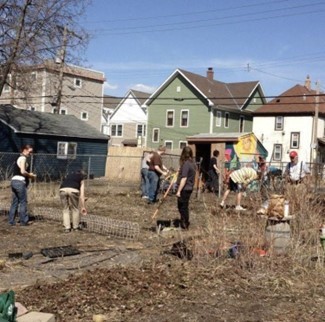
[140,280]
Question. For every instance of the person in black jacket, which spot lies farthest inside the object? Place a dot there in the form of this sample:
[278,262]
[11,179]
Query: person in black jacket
[185,183]
[19,184]
[72,195]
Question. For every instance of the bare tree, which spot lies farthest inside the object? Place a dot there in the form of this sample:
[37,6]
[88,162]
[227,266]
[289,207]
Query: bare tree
[31,32]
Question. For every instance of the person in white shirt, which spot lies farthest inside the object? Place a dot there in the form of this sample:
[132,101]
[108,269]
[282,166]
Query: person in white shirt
[296,172]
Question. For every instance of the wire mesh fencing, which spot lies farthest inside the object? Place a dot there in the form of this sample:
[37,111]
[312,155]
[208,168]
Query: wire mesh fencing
[94,223]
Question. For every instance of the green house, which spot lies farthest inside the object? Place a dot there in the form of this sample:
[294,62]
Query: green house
[188,104]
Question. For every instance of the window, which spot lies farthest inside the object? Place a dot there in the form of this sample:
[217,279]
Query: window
[117,130]
[218,118]
[169,145]
[77,82]
[184,118]
[294,140]
[277,152]
[178,89]
[155,135]
[63,111]
[141,130]
[170,118]
[33,76]
[54,110]
[226,124]
[182,144]
[6,87]
[67,150]
[241,124]
[32,108]
[84,116]
[278,123]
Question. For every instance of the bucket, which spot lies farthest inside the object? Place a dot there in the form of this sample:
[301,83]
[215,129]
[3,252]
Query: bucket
[277,235]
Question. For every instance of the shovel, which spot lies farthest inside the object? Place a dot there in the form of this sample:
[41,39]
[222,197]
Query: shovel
[165,195]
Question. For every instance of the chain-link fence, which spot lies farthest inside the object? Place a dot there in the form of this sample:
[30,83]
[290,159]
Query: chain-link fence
[48,167]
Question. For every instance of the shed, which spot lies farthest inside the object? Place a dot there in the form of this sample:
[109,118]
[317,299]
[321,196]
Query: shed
[61,142]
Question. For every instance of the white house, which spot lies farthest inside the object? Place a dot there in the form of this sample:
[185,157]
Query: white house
[291,122]
[128,123]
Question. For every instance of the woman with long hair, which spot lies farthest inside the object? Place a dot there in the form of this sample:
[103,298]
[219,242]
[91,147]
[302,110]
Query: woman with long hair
[185,183]
[19,184]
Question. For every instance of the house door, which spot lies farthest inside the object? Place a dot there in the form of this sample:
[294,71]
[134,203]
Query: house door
[203,151]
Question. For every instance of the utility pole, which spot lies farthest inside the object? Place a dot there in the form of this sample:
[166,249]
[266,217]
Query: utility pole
[315,141]
[62,59]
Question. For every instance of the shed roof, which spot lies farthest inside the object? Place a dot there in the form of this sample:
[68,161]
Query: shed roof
[32,122]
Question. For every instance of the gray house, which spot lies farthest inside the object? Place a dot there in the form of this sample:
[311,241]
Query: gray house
[61,142]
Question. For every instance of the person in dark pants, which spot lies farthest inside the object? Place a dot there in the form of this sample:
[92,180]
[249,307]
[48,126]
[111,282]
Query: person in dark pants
[72,195]
[213,174]
[156,170]
[144,175]
[19,184]
[185,183]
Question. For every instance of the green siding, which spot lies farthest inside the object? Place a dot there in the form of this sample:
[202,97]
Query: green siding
[170,99]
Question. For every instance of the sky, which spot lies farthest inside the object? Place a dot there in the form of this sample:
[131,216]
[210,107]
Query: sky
[138,44]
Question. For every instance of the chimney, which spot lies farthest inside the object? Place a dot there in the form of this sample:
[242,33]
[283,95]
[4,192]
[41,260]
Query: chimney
[308,83]
[210,73]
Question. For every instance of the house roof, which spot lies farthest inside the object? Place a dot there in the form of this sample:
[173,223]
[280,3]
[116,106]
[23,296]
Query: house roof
[296,101]
[31,122]
[111,101]
[224,95]
[140,96]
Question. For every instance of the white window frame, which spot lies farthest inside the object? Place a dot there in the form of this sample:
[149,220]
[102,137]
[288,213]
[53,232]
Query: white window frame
[64,149]
[54,109]
[219,119]
[6,87]
[167,143]
[84,118]
[188,118]
[173,111]
[242,119]
[75,81]
[226,121]
[293,146]
[277,149]
[118,127]
[181,143]
[65,111]
[143,132]
[153,134]
[33,76]
[276,123]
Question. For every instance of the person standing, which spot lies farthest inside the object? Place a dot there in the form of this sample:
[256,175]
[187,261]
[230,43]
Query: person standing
[156,170]
[185,183]
[72,195]
[144,174]
[296,172]
[238,181]
[213,174]
[19,184]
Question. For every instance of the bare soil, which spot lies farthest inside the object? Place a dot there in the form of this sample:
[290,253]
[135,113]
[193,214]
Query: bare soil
[139,280]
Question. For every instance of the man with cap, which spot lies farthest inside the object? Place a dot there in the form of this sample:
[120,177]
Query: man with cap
[295,171]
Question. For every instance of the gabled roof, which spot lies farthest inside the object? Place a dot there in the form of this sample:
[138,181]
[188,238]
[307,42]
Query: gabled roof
[111,101]
[227,95]
[139,97]
[31,122]
[296,101]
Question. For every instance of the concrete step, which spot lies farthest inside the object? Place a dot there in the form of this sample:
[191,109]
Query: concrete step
[36,317]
